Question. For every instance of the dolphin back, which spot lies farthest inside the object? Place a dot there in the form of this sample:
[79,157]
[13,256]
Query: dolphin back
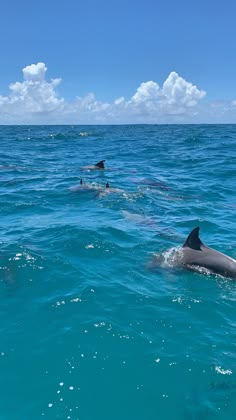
[208,258]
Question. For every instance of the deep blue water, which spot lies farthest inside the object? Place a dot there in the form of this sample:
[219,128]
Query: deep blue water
[88,331]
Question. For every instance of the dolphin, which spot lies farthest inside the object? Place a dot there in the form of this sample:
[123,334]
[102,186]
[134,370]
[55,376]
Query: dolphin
[100,165]
[110,190]
[195,255]
[89,187]
[151,183]
[138,218]
[8,166]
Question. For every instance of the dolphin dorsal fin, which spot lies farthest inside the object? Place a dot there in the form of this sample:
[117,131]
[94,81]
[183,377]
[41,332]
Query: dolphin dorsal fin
[193,241]
[100,164]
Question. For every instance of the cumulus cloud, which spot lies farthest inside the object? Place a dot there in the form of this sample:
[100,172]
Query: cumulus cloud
[35,72]
[148,91]
[176,91]
[175,97]
[34,95]
[36,100]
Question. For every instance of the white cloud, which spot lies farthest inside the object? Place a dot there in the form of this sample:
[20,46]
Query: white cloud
[34,95]
[175,97]
[176,91]
[90,103]
[35,100]
[146,92]
[35,72]
[119,101]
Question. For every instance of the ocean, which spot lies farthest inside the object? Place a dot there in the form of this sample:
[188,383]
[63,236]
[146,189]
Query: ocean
[89,329]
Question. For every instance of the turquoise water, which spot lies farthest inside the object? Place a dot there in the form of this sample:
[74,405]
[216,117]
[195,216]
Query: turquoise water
[88,331]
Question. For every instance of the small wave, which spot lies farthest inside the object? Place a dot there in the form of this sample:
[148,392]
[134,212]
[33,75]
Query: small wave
[173,256]
[222,371]
[70,135]
[84,134]
[199,269]
[170,258]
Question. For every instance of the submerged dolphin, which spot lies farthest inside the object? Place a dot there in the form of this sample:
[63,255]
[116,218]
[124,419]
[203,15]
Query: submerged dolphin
[138,218]
[194,254]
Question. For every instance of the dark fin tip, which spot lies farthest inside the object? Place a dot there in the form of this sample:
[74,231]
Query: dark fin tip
[100,164]
[193,241]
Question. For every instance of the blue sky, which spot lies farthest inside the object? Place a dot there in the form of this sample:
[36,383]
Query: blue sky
[105,51]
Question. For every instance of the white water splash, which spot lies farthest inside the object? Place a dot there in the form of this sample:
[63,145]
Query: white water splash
[222,371]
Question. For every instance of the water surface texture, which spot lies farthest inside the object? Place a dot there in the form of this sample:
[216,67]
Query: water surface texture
[88,330]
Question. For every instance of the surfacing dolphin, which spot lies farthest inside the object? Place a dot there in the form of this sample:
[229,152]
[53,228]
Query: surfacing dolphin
[110,190]
[88,187]
[195,253]
[100,165]
[196,256]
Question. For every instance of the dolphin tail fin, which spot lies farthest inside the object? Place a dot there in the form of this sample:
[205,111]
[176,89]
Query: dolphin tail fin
[193,241]
[100,164]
